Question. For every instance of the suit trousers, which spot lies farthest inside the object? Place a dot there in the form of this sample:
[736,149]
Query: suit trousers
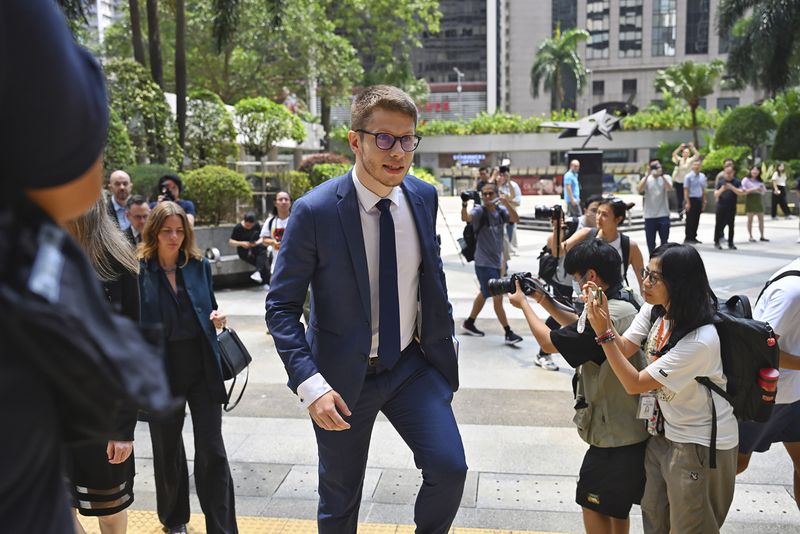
[416,399]
[726,216]
[693,217]
[679,196]
[211,471]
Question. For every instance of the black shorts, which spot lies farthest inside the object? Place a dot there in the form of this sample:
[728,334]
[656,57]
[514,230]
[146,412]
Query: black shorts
[783,427]
[612,479]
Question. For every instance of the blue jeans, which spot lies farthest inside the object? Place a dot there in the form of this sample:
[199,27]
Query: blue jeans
[651,226]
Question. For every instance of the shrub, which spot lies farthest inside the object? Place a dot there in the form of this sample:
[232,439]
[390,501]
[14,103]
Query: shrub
[296,183]
[263,123]
[118,153]
[745,126]
[145,178]
[425,175]
[664,154]
[210,135]
[325,171]
[215,191]
[787,139]
[713,162]
[311,160]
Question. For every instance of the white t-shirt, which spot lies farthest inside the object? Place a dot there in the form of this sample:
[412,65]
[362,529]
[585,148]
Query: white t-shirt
[656,201]
[780,307]
[276,233]
[684,402]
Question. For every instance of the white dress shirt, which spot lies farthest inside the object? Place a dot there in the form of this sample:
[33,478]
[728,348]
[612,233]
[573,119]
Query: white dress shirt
[409,257]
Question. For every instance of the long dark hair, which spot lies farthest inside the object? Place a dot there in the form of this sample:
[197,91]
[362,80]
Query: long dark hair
[691,301]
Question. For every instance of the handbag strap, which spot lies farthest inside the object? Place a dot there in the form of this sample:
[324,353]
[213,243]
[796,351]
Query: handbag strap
[230,392]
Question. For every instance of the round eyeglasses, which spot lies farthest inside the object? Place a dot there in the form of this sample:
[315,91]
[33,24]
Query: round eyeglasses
[654,276]
[386,141]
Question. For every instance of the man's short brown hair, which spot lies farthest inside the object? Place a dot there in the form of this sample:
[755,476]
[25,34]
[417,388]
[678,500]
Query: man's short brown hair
[380,96]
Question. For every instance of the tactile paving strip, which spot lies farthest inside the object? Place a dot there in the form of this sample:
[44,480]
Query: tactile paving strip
[526,492]
[146,522]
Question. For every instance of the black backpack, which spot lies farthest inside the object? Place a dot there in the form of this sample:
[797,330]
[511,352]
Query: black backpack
[469,241]
[746,346]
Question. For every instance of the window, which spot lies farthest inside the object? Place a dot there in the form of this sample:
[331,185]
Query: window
[697,17]
[727,103]
[664,27]
[630,28]
[565,14]
[597,23]
[629,87]
[703,103]
[724,44]
[617,156]
[598,88]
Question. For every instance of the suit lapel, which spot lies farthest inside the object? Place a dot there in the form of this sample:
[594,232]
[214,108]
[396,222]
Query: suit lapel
[351,225]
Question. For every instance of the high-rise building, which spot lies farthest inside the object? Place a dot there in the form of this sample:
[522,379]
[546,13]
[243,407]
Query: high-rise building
[100,15]
[629,42]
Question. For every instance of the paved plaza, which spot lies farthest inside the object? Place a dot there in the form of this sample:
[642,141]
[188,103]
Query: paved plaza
[515,418]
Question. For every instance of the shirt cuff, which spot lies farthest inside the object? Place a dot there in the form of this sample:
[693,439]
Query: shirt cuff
[311,389]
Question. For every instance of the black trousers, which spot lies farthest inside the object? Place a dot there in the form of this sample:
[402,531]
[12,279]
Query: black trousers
[257,257]
[780,200]
[726,214]
[693,217]
[211,471]
[679,195]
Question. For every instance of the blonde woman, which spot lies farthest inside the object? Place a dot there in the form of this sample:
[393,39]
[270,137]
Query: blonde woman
[177,293]
[102,473]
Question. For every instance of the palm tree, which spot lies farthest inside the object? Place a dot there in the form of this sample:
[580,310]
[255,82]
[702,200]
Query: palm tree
[764,43]
[690,82]
[556,58]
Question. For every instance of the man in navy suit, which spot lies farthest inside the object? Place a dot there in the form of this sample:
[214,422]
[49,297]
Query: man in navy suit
[380,335]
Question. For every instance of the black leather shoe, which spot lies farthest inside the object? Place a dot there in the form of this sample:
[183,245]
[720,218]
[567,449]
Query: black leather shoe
[717,246]
[732,247]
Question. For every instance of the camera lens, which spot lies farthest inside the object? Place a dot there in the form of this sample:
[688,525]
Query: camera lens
[501,286]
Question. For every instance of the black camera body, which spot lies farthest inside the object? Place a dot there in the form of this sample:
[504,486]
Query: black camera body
[471,194]
[548,213]
[527,283]
[167,194]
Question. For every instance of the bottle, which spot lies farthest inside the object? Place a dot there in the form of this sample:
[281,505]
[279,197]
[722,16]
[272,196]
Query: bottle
[768,382]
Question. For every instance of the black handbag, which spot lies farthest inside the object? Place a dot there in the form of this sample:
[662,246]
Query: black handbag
[235,359]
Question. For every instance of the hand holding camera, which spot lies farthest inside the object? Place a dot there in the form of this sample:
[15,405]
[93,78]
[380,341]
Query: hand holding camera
[596,308]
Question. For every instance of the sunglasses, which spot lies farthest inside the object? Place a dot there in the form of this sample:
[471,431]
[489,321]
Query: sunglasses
[386,141]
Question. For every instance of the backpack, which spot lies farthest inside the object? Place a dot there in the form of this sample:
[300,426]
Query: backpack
[625,245]
[746,346]
[469,241]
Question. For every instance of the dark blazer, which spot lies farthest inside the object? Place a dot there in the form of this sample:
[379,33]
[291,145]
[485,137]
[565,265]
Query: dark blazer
[324,246]
[111,212]
[129,236]
[199,287]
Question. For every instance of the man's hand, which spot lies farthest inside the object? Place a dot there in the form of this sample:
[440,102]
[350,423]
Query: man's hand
[687,205]
[596,309]
[218,318]
[118,451]
[518,299]
[325,412]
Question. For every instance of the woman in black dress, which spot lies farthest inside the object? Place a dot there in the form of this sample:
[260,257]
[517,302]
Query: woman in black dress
[177,293]
[101,474]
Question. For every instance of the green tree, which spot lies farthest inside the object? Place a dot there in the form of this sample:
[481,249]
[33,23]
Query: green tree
[210,134]
[557,58]
[690,82]
[216,191]
[745,126]
[142,107]
[262,123]
[118,153]
[764,42]
[787,138]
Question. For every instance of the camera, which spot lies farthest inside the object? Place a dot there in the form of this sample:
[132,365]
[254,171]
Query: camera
[471,194]
[527,283]
[547,213]
[167,194]
[655,167]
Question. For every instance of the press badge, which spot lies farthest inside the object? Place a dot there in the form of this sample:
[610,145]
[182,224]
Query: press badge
[647,405]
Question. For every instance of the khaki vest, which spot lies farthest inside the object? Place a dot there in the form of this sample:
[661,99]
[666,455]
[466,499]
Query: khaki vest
[608,418]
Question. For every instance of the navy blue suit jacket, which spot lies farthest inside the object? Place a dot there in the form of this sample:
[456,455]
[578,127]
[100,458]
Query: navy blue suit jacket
[324,246]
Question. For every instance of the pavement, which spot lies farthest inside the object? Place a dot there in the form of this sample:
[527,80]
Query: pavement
[515,418]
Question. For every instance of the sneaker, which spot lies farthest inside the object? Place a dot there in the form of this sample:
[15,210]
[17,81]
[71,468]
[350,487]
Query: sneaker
[764,239]
[512,338]
[774,218]
[717,246]
[732,247]
[256,277]
[545,361]
[470,328]
[178,530]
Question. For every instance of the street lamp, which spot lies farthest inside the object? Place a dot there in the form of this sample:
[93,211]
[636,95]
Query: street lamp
[458,88]
[591,90]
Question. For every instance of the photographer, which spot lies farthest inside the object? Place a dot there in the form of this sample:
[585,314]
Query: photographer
[488,219]
[612,476]
[655,188]
[170,187]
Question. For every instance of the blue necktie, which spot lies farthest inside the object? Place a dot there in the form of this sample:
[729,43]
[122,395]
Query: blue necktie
[389,314]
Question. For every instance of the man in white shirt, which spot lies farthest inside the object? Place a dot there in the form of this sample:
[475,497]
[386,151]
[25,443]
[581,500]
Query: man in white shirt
[779,305]
[655,187]
[380,334]
[120,187]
